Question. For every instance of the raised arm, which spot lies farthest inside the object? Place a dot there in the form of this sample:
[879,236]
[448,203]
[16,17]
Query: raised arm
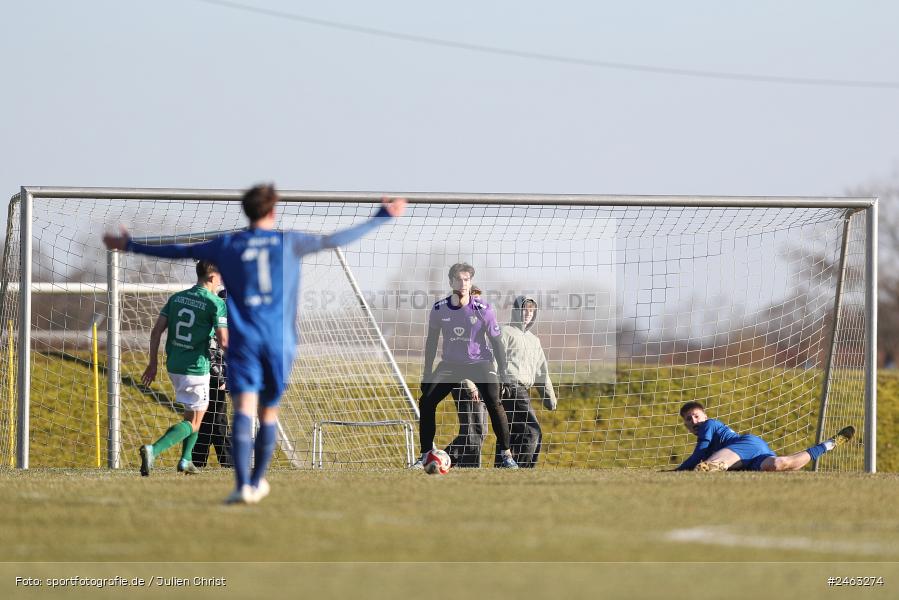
[390,207]
[123,242]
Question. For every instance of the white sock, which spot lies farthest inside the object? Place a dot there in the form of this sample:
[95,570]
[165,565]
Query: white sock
[829,444]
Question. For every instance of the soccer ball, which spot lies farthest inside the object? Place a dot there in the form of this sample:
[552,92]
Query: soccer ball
[437,462]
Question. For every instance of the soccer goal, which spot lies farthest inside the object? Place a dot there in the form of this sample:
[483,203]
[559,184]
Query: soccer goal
[763,309]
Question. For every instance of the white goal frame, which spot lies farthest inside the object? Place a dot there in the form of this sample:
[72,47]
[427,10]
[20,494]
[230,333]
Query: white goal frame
[26,287]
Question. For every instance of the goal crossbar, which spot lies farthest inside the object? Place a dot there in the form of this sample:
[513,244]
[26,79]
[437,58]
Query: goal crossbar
[111,193]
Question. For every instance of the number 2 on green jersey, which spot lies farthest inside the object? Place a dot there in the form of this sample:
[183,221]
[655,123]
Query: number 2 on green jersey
[189,318]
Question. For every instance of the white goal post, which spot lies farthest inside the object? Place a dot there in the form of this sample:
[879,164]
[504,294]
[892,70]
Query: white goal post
[762,308]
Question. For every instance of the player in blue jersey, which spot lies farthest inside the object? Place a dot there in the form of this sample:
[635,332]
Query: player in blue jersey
[471,342]
[260,267]
[720,448]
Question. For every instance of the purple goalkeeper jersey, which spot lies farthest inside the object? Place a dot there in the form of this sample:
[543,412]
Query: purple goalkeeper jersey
[465,330]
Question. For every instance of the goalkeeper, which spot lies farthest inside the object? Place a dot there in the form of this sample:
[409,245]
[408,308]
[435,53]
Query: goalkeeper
[471,340]
[189,319]
[465,450]
[720,448]
[261,270]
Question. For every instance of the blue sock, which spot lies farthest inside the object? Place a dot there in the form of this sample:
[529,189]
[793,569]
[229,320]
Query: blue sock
[817,451]
[240,447]
[265,448]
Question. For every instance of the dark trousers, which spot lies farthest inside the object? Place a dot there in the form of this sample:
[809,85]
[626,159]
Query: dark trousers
[525,436]
[214,431]
[465,450]
[446,378]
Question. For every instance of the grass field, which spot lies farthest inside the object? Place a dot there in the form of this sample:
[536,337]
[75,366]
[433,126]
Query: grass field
[553,532]
[549,516]
[486,515]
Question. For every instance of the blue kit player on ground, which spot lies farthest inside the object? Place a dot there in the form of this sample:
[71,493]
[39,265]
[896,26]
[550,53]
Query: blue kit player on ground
[720,448]
[260,267]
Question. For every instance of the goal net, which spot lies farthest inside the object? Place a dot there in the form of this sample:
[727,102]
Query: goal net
[759,309]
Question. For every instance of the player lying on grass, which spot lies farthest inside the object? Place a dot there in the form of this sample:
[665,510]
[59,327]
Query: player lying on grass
[189,319]
[261,270]
[720,448]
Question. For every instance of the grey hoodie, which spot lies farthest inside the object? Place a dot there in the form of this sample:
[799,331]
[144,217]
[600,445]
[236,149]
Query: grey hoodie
[524,354]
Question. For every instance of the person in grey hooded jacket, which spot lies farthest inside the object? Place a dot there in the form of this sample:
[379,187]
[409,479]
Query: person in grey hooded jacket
[527,368]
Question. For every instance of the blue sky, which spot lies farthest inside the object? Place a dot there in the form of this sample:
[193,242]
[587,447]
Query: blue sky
[190,94]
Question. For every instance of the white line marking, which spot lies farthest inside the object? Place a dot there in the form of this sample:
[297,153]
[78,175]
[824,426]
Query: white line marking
[722,536]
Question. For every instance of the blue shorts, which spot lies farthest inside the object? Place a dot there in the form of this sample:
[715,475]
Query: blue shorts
[752,451]
[260,369]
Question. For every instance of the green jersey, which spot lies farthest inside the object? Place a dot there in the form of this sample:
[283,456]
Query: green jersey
[193,316]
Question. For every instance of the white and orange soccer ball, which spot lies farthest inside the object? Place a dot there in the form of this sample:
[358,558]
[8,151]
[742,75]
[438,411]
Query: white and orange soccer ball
[437,462]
